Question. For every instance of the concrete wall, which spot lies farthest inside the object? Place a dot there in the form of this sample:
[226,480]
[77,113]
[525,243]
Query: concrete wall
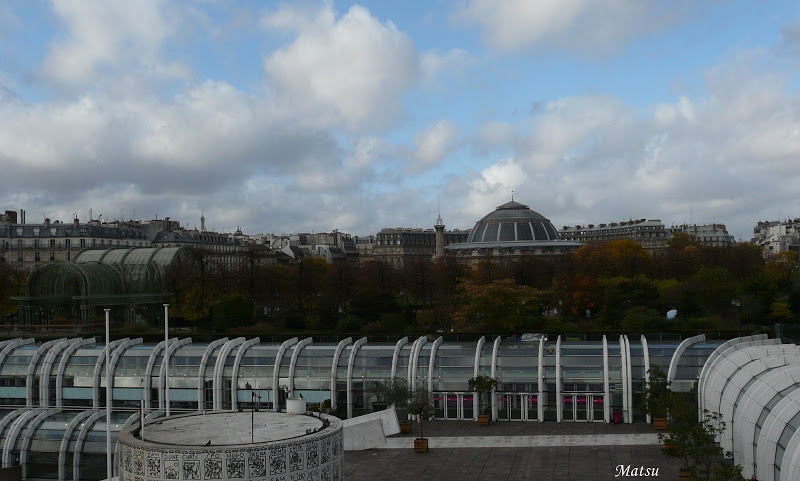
[370,430]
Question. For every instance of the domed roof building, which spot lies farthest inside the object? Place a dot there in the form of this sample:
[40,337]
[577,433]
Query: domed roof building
[512,230]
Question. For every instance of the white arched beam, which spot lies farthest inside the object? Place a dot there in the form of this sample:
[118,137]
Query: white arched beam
[606,384]
[495,349]
[540,377]
[26,441]
[76,457]
[432,360]
[148,374]
[413,361]
[293,363]
[47,368]
[98,368]
[62,452]
[559,396]
[42,353]
[676,356]
[162,373]
[235,373]
[62,366]
[219,369]
[396,355]
[707,365]
[335,367]
[646,354]
[350,364]
[13,433]
[201,376]
[276,370]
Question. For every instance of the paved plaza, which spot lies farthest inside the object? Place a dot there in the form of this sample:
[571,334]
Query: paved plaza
[515,451]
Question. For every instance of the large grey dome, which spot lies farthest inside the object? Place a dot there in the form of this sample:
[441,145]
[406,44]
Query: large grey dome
[512,222]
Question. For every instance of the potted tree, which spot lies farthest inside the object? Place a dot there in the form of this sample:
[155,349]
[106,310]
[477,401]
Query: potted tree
[693,442]
[393,392]
[483,385]
[421,406]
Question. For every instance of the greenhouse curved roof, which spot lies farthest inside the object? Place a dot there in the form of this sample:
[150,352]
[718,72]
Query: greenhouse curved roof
[162,256]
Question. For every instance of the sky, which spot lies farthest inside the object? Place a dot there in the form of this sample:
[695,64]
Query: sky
[310,116]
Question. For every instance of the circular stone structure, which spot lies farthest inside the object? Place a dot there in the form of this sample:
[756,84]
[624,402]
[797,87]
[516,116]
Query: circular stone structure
[219,446]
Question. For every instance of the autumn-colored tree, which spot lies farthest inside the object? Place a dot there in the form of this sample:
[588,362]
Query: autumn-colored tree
[575,294]
[621,257]
[499,306]
[781,269]
[12,283]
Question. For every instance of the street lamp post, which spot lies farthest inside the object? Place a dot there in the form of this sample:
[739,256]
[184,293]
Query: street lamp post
[108,398]
[736,303]
[166,356]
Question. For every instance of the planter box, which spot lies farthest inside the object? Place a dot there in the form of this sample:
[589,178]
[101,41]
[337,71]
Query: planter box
[405,427]
[659,424]
[421,445]
[685,476]
[483,419]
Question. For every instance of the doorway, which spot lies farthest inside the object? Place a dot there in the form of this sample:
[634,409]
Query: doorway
[517,406]
[583,407]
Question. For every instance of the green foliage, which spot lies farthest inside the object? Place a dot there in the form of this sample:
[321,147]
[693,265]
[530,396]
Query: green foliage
[500,305]
[393,391]
[420,403]
[641,318]
[232,311]
[693,442]
[483,385]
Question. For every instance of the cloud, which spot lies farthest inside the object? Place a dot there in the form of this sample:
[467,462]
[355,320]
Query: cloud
[435,64]
[584,26]
[435,143]
[352,70]
[103,34]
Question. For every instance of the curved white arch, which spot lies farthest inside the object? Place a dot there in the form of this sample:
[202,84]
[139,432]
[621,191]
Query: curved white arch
[235,374]
[148,380]
[76,459]
[396,355]
[219,369]
[727,366]
[495,348]
[13,433]
[434,347]
[201,374]
[47,367]
[68,352]
[756,398]
[629,379]
[335,366]
[350,362]
[62,451]
[771,431]
[624,375]
[276,369]
[646,354]
[559,398]
[707,366]
[98,367]
[120,348]
[298,348]
[43,350]
[162,372]
[676,356]
[26,441]
[413,361]
[540,377]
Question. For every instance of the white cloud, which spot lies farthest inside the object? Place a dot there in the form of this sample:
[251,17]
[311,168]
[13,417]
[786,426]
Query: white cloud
[435,143]
[107,33]
[435,64]
[584,26]
[353,70]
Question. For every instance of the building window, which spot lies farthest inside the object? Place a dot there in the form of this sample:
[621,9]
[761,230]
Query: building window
[52,256]
[67,243]
[83,242]
[19,256]
[94,242]
[52,243]
[68,255]
[36,243]
[37,257]
[19,243]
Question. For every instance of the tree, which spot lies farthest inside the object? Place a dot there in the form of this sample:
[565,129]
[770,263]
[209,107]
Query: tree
[483,385]
[421,405]
[622,257]
[693,442]
[501,305]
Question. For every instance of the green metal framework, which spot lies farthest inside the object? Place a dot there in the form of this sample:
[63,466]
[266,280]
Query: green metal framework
[132,278]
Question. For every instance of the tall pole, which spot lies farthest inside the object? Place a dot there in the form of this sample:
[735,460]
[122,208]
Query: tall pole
[166,355]
[108,399]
